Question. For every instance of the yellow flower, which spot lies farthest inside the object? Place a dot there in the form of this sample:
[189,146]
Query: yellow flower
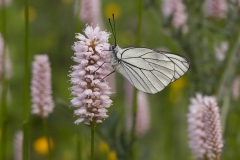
[176,87]
[32,14]
[112,8]
[103,147]
[112,155]
[40,145]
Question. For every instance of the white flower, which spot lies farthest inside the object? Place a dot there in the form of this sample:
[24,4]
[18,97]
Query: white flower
[41,89]
[91,95]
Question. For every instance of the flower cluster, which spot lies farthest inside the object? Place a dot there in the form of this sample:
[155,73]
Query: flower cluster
[216,8]
[176,8]
[41,90]
[91,93]
[204,128]
[91,12]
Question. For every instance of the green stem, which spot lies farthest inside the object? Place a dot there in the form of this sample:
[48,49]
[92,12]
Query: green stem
[229,70]
[92,141]
[134,106]
[79,144]
[48,138]
[26,87]
[78,24]
[4,116]
[224,109]
[139,29]
[138,42]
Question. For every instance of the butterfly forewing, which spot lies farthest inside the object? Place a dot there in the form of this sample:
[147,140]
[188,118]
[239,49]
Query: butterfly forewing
[149,70]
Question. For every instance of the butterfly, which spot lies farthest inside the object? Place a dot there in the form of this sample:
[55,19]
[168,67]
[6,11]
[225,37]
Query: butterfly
[147,69]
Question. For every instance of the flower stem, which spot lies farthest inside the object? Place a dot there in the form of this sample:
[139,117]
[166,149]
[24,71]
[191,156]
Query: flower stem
[134,108]
[79,144]
[77,23]
[26,85]
[48,138]
[229,71]
[92,141]
[4,116]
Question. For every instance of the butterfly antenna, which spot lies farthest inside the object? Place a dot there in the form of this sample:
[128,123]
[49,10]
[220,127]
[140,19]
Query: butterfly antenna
[113,30]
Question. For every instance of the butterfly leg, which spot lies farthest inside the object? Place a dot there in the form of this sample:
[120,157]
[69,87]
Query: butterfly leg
[109,74]
[99,67]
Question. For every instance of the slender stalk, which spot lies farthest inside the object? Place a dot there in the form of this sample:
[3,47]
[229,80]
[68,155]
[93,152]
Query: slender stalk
[224,109]
[79,144]
[230,68]
[92,141]
[48,138]
[78,24]
[138,42]
[4,116]
[26,87]
[134,107]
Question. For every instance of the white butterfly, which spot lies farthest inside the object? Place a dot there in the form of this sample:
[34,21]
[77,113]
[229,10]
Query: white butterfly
[148,70]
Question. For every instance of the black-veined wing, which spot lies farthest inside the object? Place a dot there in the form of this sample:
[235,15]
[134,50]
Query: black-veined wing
[149,70]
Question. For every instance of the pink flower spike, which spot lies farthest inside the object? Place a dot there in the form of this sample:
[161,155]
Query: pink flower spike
[91,95]
[41,89]
[204,128]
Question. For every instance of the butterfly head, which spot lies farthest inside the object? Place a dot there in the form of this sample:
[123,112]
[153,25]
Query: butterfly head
[114,48]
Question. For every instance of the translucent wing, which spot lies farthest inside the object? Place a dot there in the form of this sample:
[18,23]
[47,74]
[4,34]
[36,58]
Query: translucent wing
[149,70]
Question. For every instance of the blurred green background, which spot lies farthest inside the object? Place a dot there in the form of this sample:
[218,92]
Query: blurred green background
[53,25]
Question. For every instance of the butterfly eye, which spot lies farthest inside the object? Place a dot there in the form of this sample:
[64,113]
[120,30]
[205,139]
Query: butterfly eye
[112,47]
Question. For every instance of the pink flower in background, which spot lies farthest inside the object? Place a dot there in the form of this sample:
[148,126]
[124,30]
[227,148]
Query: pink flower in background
[204,128]
[142,118]
[216,8]
[17,145]
[41,89]
[176,8]
[168,7]
[196,131]
[91,94]
[214,142]
[179,15]
[221,50]
[236,87]
[7,3]
[8,66]
[91,12]
[143,115]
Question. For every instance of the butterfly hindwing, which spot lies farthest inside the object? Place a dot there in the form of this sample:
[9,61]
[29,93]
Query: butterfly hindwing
[149,70]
